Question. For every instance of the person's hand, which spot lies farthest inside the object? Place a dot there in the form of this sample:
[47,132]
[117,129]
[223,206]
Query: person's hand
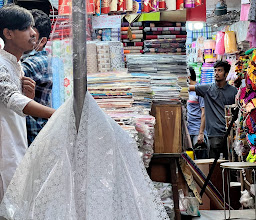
[200,138]
[28,87]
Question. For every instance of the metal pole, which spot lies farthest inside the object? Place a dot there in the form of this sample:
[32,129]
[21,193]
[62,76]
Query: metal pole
[79,56]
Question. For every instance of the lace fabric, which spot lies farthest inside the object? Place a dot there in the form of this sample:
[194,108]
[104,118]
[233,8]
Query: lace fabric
[94,174]
[10,91]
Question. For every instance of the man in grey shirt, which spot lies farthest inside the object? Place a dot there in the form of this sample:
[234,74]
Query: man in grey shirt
[216,96]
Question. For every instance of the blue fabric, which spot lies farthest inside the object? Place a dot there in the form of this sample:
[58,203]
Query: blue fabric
[252,138]
[194,105]
[215,99]
[57,68]
[36,67]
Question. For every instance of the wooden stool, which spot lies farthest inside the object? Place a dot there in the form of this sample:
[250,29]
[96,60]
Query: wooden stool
[170,160]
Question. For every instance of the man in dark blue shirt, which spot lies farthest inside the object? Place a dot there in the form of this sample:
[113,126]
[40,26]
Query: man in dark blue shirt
[216,96]
[35,66]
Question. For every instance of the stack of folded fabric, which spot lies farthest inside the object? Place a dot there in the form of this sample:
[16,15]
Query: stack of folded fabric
[106,34]
[132,37]
[164,71]
[124,97]
[103,57]
[207,73]
[165,37]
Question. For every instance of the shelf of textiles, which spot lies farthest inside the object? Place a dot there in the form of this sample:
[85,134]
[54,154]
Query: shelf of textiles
[132,37]
[104,57]
[154,38]
[167,72]
[127,99]
[165,37]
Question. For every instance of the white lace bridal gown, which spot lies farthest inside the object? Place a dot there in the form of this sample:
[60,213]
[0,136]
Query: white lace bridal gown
[96,174]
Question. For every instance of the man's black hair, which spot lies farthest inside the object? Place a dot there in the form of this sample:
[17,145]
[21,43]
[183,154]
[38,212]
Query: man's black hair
[223,64]
[42,23]
[14,17]
[192,73]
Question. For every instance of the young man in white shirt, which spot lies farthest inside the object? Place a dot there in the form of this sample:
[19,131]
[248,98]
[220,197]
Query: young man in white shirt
[16,91]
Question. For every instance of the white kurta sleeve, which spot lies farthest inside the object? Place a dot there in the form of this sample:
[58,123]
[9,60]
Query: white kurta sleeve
[10,94]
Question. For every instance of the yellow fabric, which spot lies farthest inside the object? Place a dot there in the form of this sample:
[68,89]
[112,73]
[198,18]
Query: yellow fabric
[251,158]
[230,42]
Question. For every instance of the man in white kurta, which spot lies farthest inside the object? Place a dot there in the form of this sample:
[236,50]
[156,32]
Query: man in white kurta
[16,91]
[13,141]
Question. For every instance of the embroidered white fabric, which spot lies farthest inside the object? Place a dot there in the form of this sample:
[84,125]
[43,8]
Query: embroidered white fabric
[94,174]
[10,92]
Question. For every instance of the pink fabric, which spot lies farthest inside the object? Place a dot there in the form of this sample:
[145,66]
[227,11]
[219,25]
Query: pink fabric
[244,12]
[220,48]
[251,34]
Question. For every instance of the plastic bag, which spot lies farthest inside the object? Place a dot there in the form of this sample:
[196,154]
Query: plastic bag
[220,47]
[189,204]
[230,42]
[246,200]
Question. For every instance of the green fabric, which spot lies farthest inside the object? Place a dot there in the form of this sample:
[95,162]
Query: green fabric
[155,16]
[251,158]
[249,51]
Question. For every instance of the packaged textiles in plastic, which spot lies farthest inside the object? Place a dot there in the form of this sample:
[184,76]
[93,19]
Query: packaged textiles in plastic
[200,49]
[105,6]
[146,7]
[220,47]
[154,5]
[98,7]
[113,5]
[189,3]
[93,173]
[171,5]
[129,5]
[162,4]
[136,6]
[121,5]
[180,4]
[209,51]
[230,42]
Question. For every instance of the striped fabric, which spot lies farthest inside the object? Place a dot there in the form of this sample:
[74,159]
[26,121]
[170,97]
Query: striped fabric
[205,32]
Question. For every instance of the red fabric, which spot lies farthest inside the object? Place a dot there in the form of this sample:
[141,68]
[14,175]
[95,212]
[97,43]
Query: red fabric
[198,13]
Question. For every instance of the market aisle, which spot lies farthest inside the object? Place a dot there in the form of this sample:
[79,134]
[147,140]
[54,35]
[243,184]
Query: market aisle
[219,214]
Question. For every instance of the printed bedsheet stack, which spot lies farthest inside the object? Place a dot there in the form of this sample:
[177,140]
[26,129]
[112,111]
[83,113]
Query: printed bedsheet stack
[165,37]
[127,99]
[164,71]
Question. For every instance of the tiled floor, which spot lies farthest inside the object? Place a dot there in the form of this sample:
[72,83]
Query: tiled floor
[219,214]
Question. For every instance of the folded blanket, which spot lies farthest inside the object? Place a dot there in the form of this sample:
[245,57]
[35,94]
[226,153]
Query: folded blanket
[148,37]
[134,36]
[165,29]
[134,24]
[166,32]
[133,32]
[133,44]
[132,28]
